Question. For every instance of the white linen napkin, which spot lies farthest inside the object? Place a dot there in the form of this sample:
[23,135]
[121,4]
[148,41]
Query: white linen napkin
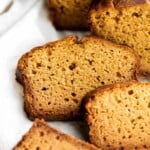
[11,11]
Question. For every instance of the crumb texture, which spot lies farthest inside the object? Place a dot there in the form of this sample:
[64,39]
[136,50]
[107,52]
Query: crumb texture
[69,14]
[119,117]
[43,137]
[127,26]
[58,75]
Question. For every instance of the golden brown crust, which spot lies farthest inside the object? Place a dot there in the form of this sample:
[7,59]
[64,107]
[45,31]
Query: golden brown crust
[41,124]
[102,89]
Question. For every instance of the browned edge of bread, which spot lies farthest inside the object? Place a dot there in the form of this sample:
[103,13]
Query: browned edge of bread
[38,123]
[22,78]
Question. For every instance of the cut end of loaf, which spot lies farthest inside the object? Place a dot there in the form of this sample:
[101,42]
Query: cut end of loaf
[43,137]
[118,116]
[128,25]
[58,75]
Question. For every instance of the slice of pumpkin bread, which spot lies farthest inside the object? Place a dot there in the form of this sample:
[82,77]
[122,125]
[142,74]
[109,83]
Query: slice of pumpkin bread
[69,14]
[58,75]
[125,22]
[43,137]
[119,116]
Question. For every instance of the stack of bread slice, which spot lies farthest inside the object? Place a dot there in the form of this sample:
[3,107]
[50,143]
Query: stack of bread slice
[58,75]
[120,21]
[92,78]
[127,23]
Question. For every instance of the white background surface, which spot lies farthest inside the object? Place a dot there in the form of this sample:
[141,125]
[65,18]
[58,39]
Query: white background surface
[11,11]
[32,30]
